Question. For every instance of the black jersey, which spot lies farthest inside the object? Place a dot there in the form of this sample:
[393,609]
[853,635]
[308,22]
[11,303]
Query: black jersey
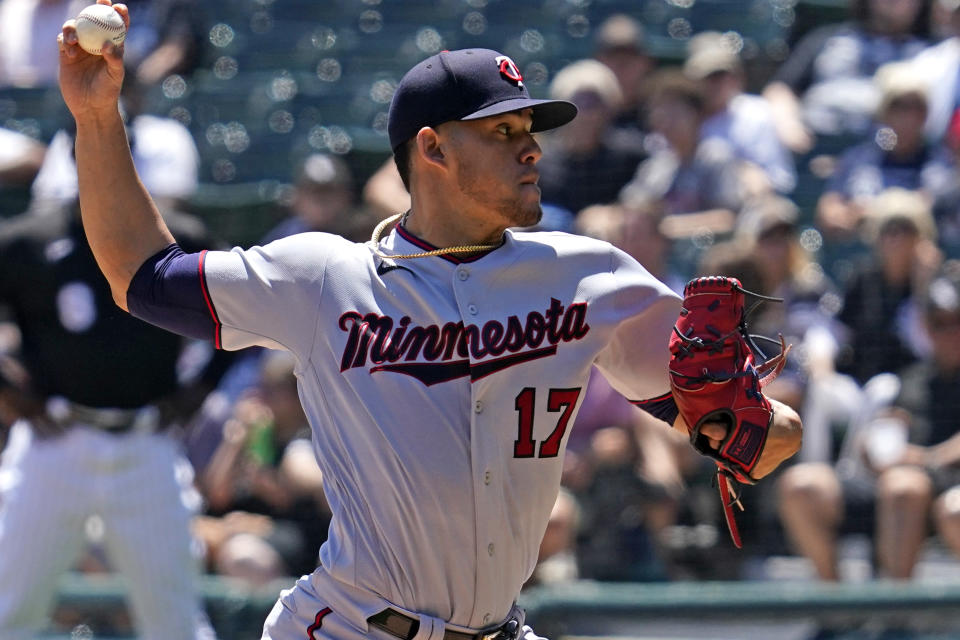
[76,342]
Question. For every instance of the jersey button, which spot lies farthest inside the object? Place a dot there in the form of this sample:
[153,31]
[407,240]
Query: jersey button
[490,549]
[463,274]
[486,477]
[478,407]
[472,309]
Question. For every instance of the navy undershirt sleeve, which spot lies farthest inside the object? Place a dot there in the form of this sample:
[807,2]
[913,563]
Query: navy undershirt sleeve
[169,291]
[663,407]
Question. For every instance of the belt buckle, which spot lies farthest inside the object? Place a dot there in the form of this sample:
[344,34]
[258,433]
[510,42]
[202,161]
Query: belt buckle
[506,631]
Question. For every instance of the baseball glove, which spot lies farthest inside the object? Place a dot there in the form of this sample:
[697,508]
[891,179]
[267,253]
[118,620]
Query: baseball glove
[717,373]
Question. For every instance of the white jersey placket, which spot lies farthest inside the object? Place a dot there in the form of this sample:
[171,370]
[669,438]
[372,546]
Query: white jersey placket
[484,454]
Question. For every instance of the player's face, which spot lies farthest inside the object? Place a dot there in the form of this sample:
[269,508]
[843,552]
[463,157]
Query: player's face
[494,166]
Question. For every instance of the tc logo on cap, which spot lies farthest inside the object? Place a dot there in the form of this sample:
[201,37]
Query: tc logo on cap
[509,70]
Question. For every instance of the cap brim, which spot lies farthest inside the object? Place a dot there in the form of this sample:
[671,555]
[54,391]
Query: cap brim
[547,114]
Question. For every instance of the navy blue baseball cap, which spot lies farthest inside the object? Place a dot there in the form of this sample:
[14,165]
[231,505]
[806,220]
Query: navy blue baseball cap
[466,85]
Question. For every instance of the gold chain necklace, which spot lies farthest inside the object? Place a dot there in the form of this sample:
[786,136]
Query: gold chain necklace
[375,239]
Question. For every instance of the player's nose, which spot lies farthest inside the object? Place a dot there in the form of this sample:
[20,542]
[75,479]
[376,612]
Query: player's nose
[532,152]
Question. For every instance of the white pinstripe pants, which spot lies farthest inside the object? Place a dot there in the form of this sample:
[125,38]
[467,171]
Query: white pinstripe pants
[139,485]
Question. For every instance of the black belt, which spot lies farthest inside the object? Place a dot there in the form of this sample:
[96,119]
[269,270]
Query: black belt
[404,627]
[113,420]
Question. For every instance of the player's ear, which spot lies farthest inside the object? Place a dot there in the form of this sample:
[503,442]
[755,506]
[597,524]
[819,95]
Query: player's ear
[429,147]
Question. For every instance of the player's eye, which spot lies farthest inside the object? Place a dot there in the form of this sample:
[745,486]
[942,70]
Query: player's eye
[504,129]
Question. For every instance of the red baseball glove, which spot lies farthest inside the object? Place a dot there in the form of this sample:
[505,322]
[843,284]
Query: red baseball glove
[716,375]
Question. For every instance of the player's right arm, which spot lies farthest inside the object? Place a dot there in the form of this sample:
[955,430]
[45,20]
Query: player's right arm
[122,224]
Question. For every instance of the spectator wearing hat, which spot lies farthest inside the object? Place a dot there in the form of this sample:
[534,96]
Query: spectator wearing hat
[323,199]
[585,165]
[896,155]
[825,86]
[620,45]
[879,297]
[767,229]
[685,175]
[745,121]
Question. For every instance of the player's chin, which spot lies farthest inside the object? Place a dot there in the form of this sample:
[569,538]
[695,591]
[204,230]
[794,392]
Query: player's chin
[528,206]
[527,212]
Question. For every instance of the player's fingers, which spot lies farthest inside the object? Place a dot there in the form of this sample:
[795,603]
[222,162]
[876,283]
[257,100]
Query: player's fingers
[124,13]
[67,39]
[68,32]
[113,55]
[714,432]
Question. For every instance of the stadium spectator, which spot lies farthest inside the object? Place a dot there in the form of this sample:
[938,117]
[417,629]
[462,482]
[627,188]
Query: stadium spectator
[323,199]
[20,159]
[623,513]
[824,88]
[164,152]
[384,193]
[937,67]
[685,175]
[941,20]
[768,229]
[26,57]
[166,39]
[557,560]
[906,454]
[620,45]
[263,487]
[879,298]
[897,155]
[922,466]
[583,164]
[743,120]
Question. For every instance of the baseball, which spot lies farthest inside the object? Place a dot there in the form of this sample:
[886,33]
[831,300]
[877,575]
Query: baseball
[97,24]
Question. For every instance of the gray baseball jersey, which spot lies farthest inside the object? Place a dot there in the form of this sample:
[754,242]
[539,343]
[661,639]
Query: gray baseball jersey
[441,392]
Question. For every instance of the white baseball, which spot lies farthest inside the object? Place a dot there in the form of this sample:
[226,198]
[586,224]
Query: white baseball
[97,24]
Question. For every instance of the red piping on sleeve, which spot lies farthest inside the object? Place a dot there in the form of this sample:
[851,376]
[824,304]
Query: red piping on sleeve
[206,298]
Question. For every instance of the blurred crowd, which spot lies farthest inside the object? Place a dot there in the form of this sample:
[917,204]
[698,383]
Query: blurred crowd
[832,184]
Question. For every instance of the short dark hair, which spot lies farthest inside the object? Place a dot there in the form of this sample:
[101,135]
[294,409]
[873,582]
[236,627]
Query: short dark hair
[401,157]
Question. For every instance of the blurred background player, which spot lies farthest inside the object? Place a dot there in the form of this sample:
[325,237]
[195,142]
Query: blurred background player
[105,445]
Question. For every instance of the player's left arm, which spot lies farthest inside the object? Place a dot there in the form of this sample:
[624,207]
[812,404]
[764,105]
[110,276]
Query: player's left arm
[637,357]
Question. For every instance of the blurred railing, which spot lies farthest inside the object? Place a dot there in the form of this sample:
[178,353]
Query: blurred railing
[597,609]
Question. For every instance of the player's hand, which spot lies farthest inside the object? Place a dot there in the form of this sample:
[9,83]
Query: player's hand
[90,84]
[783,440]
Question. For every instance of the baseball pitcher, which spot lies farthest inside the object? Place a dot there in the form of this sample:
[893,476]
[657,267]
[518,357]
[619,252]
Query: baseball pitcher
[441,364]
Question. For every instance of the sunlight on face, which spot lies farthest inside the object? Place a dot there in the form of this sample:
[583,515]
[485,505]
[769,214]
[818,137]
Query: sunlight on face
[495,170]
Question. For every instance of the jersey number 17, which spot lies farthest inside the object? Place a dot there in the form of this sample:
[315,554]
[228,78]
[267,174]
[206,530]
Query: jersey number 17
[560,401]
